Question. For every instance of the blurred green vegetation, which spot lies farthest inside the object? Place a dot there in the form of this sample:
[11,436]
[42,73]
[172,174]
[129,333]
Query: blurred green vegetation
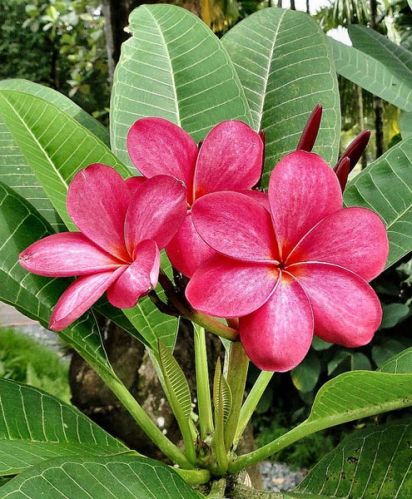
[27,361]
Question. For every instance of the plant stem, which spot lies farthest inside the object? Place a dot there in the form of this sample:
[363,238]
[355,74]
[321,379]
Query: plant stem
[217,490]
[202,383]
[277,445]
[145,423]
[236,377]
[194,477]
[251,402]
[209,323]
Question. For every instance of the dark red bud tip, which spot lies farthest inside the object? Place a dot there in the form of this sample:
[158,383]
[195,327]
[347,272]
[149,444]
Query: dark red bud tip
[356,148]
[342,170]
[310,132]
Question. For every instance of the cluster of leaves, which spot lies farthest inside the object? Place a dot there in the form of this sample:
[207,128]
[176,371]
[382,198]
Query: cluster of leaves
[65,43]
[275,63]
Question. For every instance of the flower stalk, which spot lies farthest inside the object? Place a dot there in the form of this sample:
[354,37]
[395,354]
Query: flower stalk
[145,423]
[236,378]
[202,383]
[251,403]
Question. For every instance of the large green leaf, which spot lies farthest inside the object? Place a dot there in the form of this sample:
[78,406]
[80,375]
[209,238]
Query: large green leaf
[400,363]
[394,57]
[35,296]
[285,64]
[120,477]
[174,67]
[372,75]
[35,427]
[386,187]
[54,144]
[371,463]
[15,170]
[405,123]
[62,102]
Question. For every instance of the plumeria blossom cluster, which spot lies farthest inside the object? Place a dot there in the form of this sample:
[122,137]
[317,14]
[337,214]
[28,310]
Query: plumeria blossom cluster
[289,263]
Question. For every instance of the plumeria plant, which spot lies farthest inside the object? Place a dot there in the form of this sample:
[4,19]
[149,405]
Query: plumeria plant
[221,202]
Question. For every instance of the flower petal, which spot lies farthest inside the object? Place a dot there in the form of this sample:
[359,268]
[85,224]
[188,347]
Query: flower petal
[156,212]
[346,309]
[79,297]
[302,191]
[354,238]
[138,279]
[235,225]
[97,202]
[134,183]
[187,250]
[227,288]
[159,147]
[278,335]
[259,196]
[230,158]
[65,255]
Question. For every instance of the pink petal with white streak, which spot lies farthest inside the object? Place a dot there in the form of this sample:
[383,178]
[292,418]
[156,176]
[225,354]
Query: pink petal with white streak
[278,335]
[346,309]
[66,254]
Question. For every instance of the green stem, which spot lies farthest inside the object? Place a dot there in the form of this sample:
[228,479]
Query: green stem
[194,477]
[202,383]
[217,491]
[145,423]
[236,378]
[210,324]
[277,445]
[251,402]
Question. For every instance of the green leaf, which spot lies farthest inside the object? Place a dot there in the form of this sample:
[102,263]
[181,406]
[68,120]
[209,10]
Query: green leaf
[385,187]
[359,394]
[62,102]
[122,477]
[400,363]
[405,123]
[178,394]
[54,144]
[370,463]
[285,64]
[174,67]
[393,314]
[306,375]
[35,427]
[372,75]
[394,57]
[15,170]
[222,396]
[176,383]
[389,348]
[35,296]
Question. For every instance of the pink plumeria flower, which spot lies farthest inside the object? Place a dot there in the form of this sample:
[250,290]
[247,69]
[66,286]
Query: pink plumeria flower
[230,158]
[122,230]
[301,269]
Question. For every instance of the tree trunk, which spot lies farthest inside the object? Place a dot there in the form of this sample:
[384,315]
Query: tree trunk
[292,5]
[308,6]
[280,3]
[377,102]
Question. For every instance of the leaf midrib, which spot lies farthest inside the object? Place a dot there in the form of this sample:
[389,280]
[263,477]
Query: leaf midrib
[169,60]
